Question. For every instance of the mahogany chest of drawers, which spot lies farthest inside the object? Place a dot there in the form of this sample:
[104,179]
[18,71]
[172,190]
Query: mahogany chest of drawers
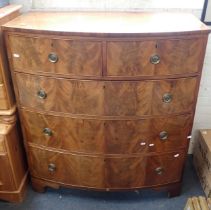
[106,100]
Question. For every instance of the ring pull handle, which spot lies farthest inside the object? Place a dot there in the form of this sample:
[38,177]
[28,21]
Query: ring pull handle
[155,59]
[167,97]
[53,57]
[48,132]
[163,135]
[41,94]
[159,170]
[52,167]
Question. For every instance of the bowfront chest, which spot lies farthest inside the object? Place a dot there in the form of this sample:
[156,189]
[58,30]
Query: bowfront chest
[106,100]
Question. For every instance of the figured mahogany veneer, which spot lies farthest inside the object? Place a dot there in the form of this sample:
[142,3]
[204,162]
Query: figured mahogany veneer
[106,100]
[177,57]
[75,57]
[107,136]
[103,172]
[83,57]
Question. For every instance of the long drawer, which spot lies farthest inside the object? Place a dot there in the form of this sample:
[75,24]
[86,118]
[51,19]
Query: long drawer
[114,172]
[107,98]
[84,57]
[97,136]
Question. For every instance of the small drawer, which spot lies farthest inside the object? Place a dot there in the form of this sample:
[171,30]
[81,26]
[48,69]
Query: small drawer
[154,57]
[101,172]
[107,98]
[56,56]
[160,134]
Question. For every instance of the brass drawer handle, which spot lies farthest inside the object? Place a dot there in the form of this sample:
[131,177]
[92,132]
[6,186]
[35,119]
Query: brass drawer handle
[163,135]
[167,97]
[47,132]
[41,94]
[159,170]
[52,167]
[155,59]
[53,57]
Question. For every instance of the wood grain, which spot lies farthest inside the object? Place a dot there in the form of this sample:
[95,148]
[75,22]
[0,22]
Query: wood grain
[97,136]
[7,100]
[7,11]
[2,146]
[75,57]
[116,172]
[103,100]
[3,98]
[132,58]
[13,171]
[80,171]
[15,150]
[6,178]
[105,24]
[107,98]
[62,95]
[13,167]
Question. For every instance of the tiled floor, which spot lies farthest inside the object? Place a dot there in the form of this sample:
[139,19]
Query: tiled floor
[67,199]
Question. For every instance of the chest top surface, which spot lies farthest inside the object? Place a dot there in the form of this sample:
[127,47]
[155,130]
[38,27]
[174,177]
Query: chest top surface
[107,23]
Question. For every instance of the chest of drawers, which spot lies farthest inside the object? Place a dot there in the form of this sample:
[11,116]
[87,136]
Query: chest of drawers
[106,100]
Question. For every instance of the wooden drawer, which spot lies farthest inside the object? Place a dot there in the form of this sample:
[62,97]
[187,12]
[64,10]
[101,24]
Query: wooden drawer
[6,178]
[176,56]
[109,98]
[73,57]
[114,172]
[107,136]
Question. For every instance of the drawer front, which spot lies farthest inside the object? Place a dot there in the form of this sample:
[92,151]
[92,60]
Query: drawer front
[107,136]
[114,172]
[107,98]
[175,57]
[6,180]
[67,57]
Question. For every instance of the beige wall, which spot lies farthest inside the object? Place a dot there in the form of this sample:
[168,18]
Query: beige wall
[110,4]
